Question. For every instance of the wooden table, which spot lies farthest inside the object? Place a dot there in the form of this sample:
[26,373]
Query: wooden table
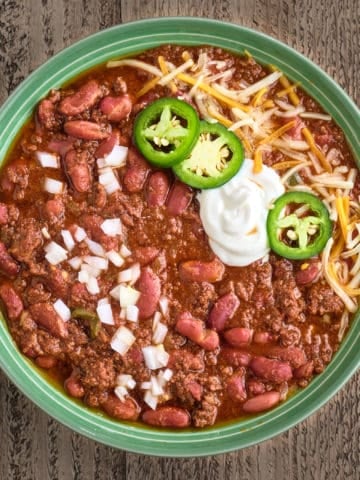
[325,446]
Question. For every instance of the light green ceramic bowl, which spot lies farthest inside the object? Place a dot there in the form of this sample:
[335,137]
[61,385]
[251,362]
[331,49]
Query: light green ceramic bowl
[135,37]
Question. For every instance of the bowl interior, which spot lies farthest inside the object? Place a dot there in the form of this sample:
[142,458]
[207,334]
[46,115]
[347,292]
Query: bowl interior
[132,38]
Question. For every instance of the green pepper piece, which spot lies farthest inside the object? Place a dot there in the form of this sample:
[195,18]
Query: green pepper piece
[215,159]
[91,318]
[298,237]
[166,131]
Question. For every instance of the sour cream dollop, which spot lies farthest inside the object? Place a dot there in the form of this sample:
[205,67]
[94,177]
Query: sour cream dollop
[234,215]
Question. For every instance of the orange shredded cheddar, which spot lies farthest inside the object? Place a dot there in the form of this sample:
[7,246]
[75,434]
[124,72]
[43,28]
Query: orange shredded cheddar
[295,100]
[148,86]
[287,90]
[316,151]
[338,248]
[343,206]
[258,164]
[278,133]
[186,55]
[353,292]
[286,164]
[257,99]
[165,71]
[268,104]
[211,91]
[228,123]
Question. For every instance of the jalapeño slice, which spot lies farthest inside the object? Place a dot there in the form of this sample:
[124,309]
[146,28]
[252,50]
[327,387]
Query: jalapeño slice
[215,159]
[166,131]
[298,225]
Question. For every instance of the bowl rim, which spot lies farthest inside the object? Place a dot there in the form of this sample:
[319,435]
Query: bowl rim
[54,73]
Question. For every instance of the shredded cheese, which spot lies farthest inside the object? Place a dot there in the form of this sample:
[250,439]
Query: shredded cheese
[278,133]
[147,87]
[228,123]
[316,151]
[287,90]
[129,62]
[286,84]
[258,97]
[342,206]
[286,164]
[257,161]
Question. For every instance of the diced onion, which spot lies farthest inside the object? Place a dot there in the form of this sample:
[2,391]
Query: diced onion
[55,253]
[132,313]
[124,251]
[156,388]
[108,179]
[103,301]
[156,320]
[130,275]
[115,292]
[116,158]
[160,333]
[105,313]
[115,258]
[121,392]
[128,296]
[47,160]
[111,227]
[80,234]
[53,186]
[62,310]
[151,400]
[45,233]
[75,262]
[92,286]
[92,271]
[167,374]
[164,305]
[83,276]
[145,385]
[122,314]
[122,340]
[95,247]
[68,239]
[97,262]
[155,357]
[126,381]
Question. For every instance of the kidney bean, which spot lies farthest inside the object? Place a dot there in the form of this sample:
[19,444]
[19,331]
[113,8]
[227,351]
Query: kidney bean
[262,338]
[4,215]
[238,336]
[107,145]
[46,114]
[271,370]
[150,289]
[294,355]
[8,265]
[57,281]
[262,402]
[235,386]
[255,387]
[179,198]
[116,108]
[305,371]
[46,361]
[193,329]
[73,386]
[77,168]
[145,255]
[137,170]
[223,309]
[171,417]
[195,389]
[54,210]
[309,274]
[235,357]
[45,315]
[199,271]
[126,410]
[13,303]
[86,130]
[92,225]
[82,100]
[157,189]
[135,355]
[60,146]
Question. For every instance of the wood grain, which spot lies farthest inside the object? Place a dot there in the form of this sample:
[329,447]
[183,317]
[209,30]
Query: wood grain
[323,447]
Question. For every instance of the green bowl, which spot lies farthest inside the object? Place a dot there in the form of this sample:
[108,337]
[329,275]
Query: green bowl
[131,38]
